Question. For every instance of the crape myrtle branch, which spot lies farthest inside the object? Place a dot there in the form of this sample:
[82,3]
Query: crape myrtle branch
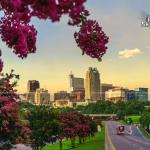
[20,36]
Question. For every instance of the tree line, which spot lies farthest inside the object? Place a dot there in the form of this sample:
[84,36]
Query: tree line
[119,108]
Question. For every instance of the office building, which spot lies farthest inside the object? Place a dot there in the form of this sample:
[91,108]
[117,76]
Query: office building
[141,94]
[92,84]
[31,97]
[32,86]
[116,94]
[131,95]
[105,87]
[62,103]
[77,95]
[42,97]
[76,83]
[61,95]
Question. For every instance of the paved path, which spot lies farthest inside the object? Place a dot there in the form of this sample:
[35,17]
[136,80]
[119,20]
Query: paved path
[133,140]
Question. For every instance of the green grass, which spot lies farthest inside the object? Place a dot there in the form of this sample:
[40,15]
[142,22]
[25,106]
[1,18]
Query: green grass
[95,143]
[145,134]
[134,118]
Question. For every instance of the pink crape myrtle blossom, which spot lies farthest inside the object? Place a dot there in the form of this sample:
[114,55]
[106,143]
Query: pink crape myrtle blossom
[77,15]
[91,39]
[21,38]
[11,5]
[45,9]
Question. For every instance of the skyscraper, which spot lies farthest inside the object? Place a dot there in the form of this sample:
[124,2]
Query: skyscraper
[32,86]
[76,84]
[92,84]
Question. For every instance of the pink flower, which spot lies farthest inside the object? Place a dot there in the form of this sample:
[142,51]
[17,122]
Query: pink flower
[75,9]
[20,37]
[45,9]
[78,15]
[91,39]
[5,123]
[10,5]
[26,130]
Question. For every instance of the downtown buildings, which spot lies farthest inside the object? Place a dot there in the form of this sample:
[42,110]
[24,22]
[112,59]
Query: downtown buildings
[83,91]
[37,95]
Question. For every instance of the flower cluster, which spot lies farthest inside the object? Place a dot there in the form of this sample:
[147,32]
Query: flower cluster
[46,9]
[91,39]
[11,122]
[20,37]
[12,129]
[8,83]
[75,9]
[11,5]
[83,130]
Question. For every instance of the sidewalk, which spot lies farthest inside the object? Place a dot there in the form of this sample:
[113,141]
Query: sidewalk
[21,147]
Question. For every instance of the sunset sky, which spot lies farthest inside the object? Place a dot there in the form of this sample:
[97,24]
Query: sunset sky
[127,62]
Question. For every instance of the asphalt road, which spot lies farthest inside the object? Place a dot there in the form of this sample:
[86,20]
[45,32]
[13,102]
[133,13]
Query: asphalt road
[132,140]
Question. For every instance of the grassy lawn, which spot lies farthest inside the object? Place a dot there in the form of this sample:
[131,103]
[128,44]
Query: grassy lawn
[95,143]
[134,118]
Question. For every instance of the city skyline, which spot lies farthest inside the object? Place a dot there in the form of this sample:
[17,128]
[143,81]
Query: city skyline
[125,64]
[75,84]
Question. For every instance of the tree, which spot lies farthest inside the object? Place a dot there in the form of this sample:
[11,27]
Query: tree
[74,124]
[145,119]
[69,122]
[12,130]
[19,35]
[44,125]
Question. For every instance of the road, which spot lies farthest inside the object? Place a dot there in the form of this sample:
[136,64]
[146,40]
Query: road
[134,141]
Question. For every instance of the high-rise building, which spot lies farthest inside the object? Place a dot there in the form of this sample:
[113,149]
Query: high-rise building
[76,84]
[92,84]
[32,86]
[42,97]
[105,87]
